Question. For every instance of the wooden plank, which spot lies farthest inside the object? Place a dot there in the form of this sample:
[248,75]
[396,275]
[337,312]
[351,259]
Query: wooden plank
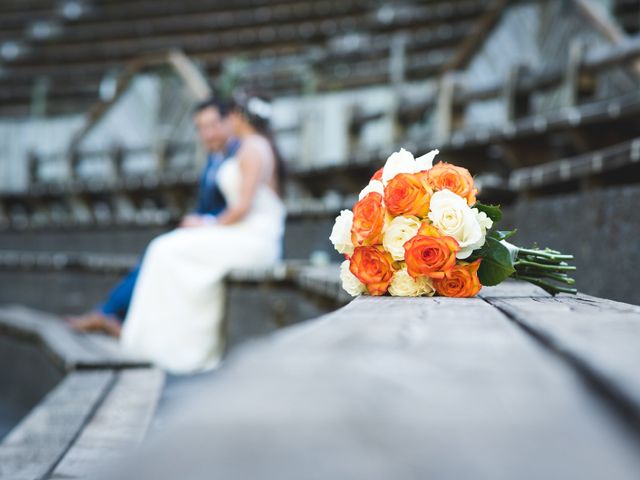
[601,22]
[37,443]
[62,344]
[590,164]
[69,349]
[601,337]
[324,281]
[119,424]
[513,288]
[393,388]
[56,260]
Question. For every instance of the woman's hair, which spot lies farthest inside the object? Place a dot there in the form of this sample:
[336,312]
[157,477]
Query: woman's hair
[258,112]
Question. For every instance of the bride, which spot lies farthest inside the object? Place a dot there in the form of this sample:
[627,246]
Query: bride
[175,317]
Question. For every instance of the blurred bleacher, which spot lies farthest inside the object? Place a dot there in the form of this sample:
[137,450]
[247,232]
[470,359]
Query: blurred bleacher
[97,155]
[71,45]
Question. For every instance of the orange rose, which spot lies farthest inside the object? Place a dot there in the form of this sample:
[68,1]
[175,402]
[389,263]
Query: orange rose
[457,179]
[430,256]
[461,281]
[368,220]
[378,174]
[408,194]
[373,266]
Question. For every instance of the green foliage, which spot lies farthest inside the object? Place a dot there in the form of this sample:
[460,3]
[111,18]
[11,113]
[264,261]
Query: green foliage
[502,234]
[496,265]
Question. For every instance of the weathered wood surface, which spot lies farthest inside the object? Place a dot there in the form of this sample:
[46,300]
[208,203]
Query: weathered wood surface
[26,376]
[397,388]
[33,448]
[119,424]
[68,349]
[601,337]
[91,415]
[261,301]
[88,419]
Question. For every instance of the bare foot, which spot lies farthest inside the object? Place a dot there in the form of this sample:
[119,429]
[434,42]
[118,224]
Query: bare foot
[95,322]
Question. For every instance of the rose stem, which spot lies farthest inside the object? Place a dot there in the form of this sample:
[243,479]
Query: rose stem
[545,253]
[527,263]
[553,289]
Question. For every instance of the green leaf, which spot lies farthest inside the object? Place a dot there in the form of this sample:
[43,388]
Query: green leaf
[496,265]
[502,234]
[492,211]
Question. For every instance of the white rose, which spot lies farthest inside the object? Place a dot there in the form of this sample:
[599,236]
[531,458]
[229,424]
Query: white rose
[485,222]
[374,186]
[452,216]
[341,233]
[425,162]
[398,162]
[400,230]
[350,282]
[404,285]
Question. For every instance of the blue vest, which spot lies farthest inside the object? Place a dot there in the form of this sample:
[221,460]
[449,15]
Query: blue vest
[210,198]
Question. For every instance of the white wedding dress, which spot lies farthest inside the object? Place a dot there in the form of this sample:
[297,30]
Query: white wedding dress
[175,316]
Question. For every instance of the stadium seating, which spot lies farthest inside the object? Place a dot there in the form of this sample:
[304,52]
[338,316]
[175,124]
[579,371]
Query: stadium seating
[561,127]
[352,36]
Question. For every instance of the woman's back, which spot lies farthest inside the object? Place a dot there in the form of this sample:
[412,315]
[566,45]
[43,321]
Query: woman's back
[254,153]
[261,147]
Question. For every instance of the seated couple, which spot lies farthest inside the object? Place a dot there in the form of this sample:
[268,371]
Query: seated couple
[169,308]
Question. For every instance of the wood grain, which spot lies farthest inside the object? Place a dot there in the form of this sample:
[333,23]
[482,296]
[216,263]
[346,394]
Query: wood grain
[35,445]
[394,388]
[601,337]
[119,424]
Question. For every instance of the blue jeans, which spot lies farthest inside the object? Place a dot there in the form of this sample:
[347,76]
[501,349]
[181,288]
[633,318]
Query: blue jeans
[118,301]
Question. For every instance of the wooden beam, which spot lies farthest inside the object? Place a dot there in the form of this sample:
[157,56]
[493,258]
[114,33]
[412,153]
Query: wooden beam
[605,25]
[474,41]
[593,61]
[449,116]
[178,61]
[578,84]
[599,21]
[517,104]
[582,166]
[190,74]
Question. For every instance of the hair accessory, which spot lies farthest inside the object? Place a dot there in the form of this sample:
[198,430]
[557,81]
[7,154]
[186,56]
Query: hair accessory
[258,107]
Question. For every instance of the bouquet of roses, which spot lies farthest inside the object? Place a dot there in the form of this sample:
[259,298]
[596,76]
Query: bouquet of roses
[417,229]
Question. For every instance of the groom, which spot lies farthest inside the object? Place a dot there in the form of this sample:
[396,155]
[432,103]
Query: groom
[215,135]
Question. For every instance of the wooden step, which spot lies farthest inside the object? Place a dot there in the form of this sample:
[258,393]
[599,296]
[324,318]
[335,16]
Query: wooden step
[100,409]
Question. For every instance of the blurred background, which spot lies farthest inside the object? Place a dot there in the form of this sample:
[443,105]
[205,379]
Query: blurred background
[98,154]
